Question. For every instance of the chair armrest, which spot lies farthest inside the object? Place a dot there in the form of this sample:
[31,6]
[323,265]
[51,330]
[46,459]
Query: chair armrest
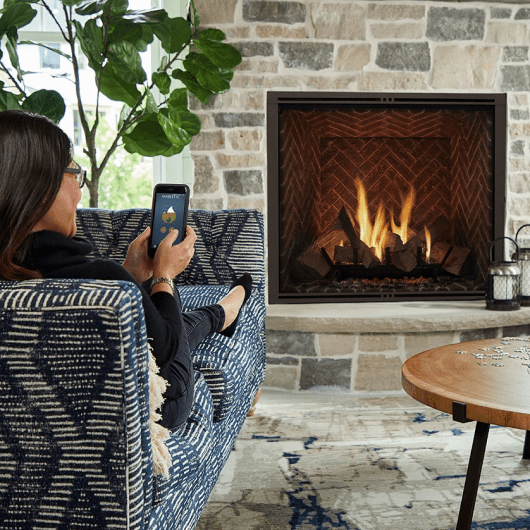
[73,371]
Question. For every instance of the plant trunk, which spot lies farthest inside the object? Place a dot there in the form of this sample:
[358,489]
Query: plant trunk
[93,185]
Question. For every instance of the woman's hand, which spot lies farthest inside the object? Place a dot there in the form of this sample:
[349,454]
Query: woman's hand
[138,263]
[171,260]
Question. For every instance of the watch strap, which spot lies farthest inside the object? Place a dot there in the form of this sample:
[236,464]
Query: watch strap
[162,279]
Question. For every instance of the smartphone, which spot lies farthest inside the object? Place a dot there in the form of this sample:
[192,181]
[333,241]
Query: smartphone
[169,212]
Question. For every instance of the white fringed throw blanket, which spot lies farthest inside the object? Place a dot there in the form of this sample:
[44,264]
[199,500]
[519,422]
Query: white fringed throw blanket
[157,387]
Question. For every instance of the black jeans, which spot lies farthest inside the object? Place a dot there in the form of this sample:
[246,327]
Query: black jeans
[202,322]
[199,324]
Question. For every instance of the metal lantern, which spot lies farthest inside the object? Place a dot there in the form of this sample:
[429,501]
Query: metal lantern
[524,264]
[503,291]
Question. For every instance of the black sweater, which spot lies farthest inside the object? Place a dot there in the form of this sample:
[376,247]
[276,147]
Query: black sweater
[57,256]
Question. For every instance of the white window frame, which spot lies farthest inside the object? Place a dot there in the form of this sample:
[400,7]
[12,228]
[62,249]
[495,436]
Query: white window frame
[176,169]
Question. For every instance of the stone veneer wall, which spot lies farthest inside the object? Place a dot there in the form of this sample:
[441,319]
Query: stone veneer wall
[348,45]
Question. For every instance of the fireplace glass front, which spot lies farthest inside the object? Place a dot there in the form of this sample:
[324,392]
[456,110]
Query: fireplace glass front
[381,197]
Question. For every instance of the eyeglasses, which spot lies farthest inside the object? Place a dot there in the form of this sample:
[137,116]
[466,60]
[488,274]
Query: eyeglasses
[80,174]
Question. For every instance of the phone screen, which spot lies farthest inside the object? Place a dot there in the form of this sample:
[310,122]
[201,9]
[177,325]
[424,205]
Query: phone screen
[170,210]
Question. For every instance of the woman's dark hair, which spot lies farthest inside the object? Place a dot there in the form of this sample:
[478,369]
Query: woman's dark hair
[34,152]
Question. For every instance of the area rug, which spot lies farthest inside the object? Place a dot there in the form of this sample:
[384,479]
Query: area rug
[324,461]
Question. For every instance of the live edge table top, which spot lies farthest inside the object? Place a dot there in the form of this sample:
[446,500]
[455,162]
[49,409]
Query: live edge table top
[491,377]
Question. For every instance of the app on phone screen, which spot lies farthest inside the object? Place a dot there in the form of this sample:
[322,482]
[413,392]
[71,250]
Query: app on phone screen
[168,215]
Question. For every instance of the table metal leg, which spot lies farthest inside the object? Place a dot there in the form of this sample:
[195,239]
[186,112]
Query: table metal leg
[526,450]
[476,459]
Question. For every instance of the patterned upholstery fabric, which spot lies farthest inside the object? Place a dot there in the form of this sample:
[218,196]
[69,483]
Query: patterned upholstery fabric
[229,242]
[75,449]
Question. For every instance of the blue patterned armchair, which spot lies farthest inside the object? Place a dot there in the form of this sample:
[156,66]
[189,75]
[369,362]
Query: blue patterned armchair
[75,446]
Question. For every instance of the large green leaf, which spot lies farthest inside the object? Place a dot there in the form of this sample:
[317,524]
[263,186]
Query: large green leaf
[16,15]
[125,60]
[115,88]
[213,34]
[178,100]
[125,30]
[162,81]
[8,101]
[91,8]
[46,102]
[180,126]
[119,6]
[153,16]
[173,150]
[147,138]
[140,35]
[221,54]
[208,75]
[186,78]
[91,40]
[147,38]
[174,34]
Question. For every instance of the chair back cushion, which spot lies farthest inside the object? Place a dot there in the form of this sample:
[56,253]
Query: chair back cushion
[229,242]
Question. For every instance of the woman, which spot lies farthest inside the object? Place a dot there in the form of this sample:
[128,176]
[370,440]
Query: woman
[40,188]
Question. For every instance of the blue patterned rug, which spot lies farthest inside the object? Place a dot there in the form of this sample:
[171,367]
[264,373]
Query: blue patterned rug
[324,461]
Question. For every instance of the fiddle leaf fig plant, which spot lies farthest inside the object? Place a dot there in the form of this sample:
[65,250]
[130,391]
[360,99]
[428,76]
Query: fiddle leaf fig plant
[155,118]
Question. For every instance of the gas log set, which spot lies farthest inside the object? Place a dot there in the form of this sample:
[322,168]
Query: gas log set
[362,255]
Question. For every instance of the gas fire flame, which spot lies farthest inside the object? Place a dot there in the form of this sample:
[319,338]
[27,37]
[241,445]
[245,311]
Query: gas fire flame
[375,235]
[403,229]
[427,244]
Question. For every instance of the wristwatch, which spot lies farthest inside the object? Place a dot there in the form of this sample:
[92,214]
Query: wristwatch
[169,281]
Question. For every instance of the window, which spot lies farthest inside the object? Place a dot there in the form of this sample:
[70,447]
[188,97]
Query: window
[49,58]
[52,70]
[44,21]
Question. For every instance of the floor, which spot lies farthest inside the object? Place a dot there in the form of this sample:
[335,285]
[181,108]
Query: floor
[368,462]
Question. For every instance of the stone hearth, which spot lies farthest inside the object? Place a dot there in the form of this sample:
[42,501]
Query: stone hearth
[361,347]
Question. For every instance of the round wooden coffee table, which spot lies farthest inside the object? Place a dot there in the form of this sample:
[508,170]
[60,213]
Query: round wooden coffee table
[486,381]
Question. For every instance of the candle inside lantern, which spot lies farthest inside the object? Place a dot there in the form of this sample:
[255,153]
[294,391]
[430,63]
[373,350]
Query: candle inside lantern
[505,287]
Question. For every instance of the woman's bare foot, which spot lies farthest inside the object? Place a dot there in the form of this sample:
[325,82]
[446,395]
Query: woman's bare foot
[232,303]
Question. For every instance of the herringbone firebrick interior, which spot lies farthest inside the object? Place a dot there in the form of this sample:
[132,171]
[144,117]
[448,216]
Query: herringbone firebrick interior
[443,154]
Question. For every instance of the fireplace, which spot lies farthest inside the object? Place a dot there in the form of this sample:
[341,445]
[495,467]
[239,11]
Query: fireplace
[383,197]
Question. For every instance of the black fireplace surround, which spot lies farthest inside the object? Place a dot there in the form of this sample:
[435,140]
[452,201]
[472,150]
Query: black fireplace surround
[448,150]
